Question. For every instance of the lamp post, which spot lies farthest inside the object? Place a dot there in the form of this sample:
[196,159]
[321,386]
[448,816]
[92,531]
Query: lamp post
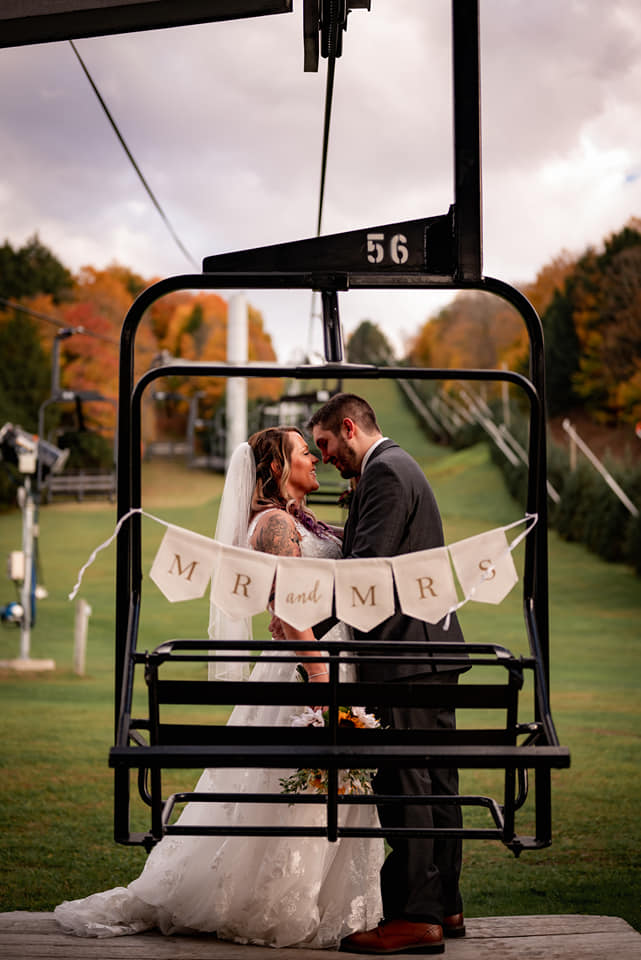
[30,454]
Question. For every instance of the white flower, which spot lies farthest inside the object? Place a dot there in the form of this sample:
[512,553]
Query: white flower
[367,719]
[309,718]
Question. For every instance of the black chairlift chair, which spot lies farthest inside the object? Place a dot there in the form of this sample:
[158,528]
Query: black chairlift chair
[76,483]
[436,252]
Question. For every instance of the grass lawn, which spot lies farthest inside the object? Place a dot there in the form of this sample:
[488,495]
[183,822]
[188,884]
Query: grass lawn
[57,728]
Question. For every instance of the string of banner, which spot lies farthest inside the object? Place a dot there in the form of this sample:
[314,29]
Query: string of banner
[309,590]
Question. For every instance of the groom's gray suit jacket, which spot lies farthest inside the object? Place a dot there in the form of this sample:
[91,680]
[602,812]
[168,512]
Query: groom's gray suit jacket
[394,511]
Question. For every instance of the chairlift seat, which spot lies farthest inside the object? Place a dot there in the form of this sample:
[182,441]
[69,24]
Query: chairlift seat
[502,742]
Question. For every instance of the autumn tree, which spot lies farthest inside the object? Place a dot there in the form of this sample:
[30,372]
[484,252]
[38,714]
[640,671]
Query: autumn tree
[590,307]
[90,307]
[261,350]
[549,280]
[593,332]
[31,269]
[368,344]
[24,371]
[608,325]
[89,358]
[474,330]
[194,327]
[25,368]
[561,350]
[547,284]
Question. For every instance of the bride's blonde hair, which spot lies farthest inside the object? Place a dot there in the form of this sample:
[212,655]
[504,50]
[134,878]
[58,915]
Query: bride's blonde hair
[272,446]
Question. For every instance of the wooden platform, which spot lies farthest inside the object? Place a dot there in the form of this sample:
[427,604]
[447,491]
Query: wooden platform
[36,936]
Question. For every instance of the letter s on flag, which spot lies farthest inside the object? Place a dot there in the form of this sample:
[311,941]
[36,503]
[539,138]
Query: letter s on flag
[484,566]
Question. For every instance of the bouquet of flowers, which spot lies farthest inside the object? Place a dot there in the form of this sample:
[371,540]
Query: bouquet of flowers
[309,780]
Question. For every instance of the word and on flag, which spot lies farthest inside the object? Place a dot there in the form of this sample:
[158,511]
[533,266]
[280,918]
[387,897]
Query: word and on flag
[361,591]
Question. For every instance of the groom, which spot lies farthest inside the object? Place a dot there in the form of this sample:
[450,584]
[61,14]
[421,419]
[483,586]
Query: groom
[393,511]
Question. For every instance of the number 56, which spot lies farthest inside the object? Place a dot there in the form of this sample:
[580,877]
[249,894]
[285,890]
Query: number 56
[397,248]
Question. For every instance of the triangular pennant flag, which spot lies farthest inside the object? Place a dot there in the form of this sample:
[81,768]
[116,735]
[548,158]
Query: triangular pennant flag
[304,591]
[364,591]
[243,581]
[183,564]
[484,566]
[425,584]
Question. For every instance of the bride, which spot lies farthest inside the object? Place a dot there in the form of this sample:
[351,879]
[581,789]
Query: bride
[275,891]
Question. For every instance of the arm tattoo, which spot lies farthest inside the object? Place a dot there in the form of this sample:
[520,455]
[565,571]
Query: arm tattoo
[277,534]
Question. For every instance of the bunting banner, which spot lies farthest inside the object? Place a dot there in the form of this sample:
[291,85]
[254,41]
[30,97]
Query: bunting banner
[304,595]
[484,566]
[304,590]
[184,563]
[364,592]
[425,584]
[243,581]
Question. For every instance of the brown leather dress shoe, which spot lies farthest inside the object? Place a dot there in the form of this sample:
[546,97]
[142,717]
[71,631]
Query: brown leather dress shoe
[454,925]
[397,936]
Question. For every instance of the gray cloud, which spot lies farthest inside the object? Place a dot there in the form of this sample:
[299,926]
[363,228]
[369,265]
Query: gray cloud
[227,130]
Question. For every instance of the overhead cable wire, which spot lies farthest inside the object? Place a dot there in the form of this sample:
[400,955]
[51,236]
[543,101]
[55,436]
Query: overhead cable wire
[59,323]
[148,189]
[329,94]
[33,313]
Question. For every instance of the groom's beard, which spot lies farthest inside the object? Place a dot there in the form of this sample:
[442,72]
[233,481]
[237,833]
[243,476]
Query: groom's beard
[346,461]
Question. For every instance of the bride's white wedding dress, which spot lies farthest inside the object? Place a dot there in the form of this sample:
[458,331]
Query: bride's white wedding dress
[276,891]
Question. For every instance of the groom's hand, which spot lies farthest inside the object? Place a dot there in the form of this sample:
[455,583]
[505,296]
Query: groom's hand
[276,628]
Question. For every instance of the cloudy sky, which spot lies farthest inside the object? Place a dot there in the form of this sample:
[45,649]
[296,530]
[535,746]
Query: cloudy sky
[227,129]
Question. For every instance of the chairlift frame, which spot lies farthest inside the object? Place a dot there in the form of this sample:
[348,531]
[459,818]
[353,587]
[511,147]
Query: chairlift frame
[433,253]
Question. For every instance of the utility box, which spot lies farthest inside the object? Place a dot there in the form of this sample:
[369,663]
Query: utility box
[15,566]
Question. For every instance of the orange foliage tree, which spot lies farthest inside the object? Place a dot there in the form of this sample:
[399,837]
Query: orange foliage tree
[194,327]
[475,330]
[82,317]
[480,330]
[600,309]
[181,325]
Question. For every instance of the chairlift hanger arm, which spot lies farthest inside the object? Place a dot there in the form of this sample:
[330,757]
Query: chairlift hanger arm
[310,277]
[423,247]
[325,371]
[99,19]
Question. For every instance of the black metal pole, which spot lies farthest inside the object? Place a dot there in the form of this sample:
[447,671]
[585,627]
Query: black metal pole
[467,138]
[332,332]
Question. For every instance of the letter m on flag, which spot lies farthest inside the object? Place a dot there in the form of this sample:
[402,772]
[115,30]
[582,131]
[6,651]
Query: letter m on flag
[183,565]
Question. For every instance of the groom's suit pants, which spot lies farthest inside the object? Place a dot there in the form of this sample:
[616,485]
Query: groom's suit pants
[420,876]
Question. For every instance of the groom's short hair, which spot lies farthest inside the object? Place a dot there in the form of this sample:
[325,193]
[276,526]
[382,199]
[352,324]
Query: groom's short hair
[332,413]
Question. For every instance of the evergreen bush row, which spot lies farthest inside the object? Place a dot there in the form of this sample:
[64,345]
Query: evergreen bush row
[588,510]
